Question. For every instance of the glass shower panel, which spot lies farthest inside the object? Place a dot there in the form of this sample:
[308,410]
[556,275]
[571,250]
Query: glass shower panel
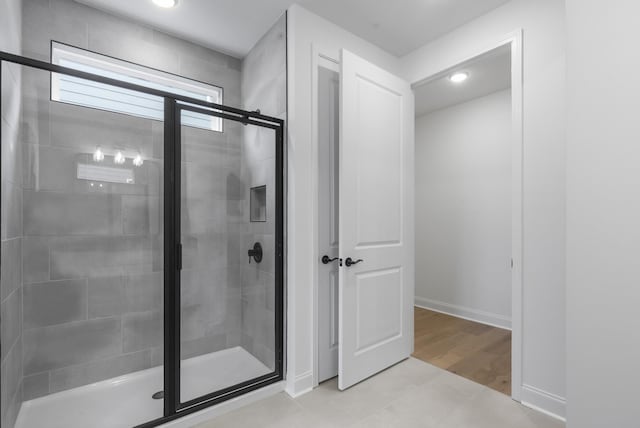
[89,189]
[228,296]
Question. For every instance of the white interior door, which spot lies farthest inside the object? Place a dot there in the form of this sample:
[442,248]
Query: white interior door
[328,94]
[376,186]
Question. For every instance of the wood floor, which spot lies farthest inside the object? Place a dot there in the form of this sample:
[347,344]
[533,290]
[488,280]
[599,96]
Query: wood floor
[475,351]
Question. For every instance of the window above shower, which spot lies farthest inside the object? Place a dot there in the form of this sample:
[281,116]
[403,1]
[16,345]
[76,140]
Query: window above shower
[74,90]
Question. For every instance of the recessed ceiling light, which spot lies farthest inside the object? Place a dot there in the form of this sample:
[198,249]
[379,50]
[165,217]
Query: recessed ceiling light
[459,77]
[165,3]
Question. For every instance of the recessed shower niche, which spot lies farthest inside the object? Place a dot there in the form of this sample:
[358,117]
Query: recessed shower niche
[258,204]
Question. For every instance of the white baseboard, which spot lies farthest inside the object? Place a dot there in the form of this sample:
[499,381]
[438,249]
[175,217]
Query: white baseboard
[470,314]
[300,385]
[545,402]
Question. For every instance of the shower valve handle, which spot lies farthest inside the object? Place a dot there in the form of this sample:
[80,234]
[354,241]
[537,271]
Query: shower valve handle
[255,253]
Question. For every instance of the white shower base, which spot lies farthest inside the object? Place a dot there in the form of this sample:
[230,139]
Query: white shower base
[125,401]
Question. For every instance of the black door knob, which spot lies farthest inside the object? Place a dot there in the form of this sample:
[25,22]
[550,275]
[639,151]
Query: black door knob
[326,260]
[350,262]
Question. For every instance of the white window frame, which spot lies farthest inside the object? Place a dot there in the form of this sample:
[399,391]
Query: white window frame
[73,90]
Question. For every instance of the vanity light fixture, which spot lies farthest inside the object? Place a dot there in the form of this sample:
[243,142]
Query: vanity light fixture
[119,158]
[459,77]
[167,4]
[98,155]
[137,161]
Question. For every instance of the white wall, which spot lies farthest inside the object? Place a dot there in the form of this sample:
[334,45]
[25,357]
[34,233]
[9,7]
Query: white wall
[304,31]
[603,214]
[543,24]
[463,209]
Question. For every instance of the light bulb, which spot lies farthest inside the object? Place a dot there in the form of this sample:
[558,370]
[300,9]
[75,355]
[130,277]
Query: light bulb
[137,161]
[98,155]
[165,3]
[119,158]
[459,77]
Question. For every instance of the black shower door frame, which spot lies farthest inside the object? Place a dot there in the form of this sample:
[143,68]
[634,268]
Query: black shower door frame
[173,106]
[173,260]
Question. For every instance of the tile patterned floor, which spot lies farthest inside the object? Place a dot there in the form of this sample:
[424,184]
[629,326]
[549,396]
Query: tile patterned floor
[409,394]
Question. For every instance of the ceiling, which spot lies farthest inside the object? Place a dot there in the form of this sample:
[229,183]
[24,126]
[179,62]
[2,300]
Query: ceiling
[488,73]
[400,26]
[234,26]
[229,26]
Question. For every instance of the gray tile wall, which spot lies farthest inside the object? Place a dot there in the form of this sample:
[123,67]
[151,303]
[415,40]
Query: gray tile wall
[211,299]
[75,24]
[264,88]
[92,256]
[11,378]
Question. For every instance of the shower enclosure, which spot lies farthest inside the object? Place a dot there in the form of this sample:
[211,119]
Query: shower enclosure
[151,253]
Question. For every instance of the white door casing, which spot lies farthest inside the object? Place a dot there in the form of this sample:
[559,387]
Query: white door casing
[376,192]
[437,68]
[328,93]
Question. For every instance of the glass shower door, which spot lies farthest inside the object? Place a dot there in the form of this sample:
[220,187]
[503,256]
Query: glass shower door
[149,278]
[82,209]
[229,298]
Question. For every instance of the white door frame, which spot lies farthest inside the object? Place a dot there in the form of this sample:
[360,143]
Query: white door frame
[328,58]
[514,39]
[320,57]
